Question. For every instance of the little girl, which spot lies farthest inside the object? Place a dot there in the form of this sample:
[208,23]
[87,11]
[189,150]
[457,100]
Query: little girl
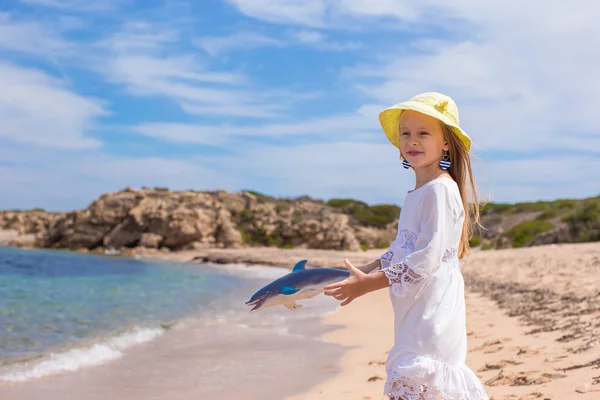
[422,267]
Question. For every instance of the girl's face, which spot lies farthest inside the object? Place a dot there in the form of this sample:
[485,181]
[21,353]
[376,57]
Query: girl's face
[422,141]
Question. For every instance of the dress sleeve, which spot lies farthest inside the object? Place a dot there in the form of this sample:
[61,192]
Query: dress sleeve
[437,217]
[386,258]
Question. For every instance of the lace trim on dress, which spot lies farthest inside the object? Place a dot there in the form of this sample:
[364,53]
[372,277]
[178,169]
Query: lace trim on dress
[399,275]
[451,257]
[386,259]
[407,239]
[402,278]
[408,389]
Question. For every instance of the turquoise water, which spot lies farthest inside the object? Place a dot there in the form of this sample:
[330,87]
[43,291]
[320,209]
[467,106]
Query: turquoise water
[53,300]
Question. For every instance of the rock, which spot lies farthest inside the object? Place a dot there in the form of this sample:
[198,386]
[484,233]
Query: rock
[226,233]
[34,222]
[375,238]
[561,234]
[126,234]
[150,240]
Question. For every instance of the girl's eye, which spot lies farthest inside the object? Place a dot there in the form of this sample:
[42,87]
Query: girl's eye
[405,133]
[423,133]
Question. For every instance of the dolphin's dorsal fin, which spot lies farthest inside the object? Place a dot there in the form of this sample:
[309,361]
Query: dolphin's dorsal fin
[288,290]
[299,266]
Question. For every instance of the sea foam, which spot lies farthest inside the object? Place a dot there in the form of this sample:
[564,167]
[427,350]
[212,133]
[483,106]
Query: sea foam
[78,358]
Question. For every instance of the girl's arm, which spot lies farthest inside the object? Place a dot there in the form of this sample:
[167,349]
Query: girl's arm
[375,265]
[376,281]
[359,283]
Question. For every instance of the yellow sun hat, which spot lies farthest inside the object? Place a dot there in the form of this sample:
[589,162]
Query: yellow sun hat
[434,104]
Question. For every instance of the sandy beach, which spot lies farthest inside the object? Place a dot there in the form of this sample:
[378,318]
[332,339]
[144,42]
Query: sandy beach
[532,318]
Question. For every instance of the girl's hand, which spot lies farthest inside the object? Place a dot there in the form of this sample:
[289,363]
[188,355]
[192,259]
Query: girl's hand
[350,288]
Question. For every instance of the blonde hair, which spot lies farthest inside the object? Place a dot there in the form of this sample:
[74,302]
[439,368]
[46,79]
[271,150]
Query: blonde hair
[462,173]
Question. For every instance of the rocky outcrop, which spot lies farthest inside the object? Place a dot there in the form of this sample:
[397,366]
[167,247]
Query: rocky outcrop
[160,219]
[164,220]
[149,218]
[32,222]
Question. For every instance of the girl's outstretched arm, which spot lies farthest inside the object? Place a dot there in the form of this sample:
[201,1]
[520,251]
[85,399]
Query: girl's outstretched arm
[358,284]
[370,267]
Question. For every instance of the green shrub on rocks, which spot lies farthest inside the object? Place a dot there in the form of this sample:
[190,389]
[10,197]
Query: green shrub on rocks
[378,216]
[475,241]
[382,245]
[584,223]
[487,246]
[547,214]
[495,208]
[524,232]
[347,206]
[531,206]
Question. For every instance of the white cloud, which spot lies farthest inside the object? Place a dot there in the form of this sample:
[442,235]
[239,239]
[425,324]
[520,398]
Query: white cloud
[402,10]
[370,172]
[320,41]
[177,79]
[332,128]
[38,109]
[521,89]
[182,133]
[306,36]
[67,181]
[154,75]
[248,41]
[76,5]
[303,12]
[240,41]
[541,178]
[139,37]
[350,14]
[248,111]
[148,63]
[32,37]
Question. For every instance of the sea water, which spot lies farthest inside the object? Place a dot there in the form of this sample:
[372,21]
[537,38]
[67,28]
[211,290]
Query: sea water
[61,312]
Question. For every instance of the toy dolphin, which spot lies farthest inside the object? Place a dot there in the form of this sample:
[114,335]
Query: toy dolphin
[299,284]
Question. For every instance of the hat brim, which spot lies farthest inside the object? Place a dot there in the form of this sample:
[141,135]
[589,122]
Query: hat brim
[390,121]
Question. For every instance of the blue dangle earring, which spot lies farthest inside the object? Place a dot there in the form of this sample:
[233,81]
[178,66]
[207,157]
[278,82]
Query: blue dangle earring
[445,162]
[405,162]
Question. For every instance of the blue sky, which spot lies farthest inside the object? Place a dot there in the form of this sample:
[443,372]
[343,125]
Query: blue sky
[282,96]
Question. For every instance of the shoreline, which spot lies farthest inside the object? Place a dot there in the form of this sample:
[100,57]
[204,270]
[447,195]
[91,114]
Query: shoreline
[226,331]
[530,320]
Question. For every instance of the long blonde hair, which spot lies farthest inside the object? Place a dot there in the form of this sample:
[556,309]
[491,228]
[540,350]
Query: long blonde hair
[462,173]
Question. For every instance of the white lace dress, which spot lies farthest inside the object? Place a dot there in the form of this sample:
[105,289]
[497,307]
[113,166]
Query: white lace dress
[427,293]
